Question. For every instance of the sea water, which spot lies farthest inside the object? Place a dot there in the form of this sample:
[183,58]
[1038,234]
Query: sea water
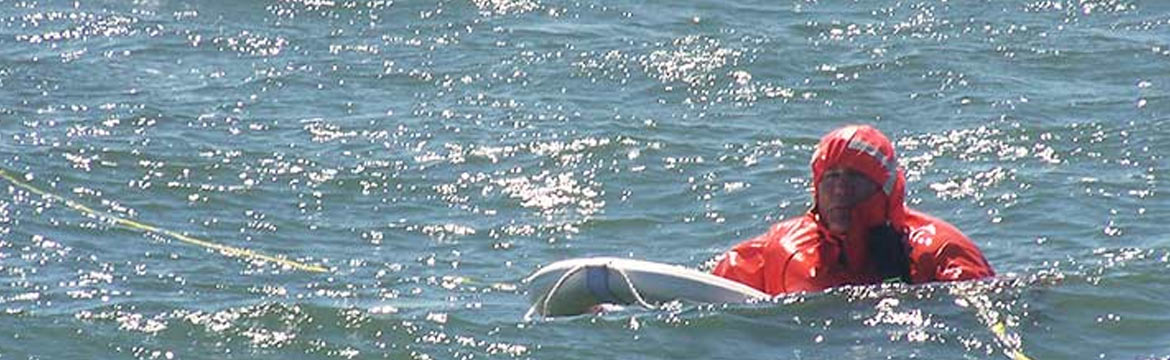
[430,154]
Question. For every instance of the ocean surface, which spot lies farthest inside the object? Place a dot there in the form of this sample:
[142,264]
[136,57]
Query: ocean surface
[431,154]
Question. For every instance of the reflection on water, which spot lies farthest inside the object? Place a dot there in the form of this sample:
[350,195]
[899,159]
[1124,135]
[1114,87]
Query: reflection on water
[430,154]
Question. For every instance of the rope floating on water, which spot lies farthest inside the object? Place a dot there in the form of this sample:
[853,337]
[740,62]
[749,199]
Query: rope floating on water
[1013,347]
[1014,352]
[224,249]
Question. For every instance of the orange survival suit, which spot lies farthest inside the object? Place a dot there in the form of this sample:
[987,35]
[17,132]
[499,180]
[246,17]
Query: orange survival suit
[800,254]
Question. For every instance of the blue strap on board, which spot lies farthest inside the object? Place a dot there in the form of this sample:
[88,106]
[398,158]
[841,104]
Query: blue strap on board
[597,279]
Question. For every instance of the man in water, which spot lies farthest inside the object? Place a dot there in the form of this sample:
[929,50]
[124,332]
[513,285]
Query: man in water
[858,231]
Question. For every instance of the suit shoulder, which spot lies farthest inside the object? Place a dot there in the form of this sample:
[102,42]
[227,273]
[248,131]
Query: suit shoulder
[794,233]
[786,233]
[931,232]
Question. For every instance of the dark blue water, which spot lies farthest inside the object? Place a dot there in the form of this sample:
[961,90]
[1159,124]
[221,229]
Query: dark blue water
[432,153]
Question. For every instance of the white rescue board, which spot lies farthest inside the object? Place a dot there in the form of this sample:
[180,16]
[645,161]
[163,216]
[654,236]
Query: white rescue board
[577,286]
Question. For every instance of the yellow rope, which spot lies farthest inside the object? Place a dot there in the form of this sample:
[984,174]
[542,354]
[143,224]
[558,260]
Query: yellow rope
[1013,347]
[225,249]
[1000,331]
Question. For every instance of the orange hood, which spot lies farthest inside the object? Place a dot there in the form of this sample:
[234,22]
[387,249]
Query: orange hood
[866,150]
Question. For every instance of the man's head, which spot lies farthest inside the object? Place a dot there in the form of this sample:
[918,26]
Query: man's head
[841,188]
[857,183]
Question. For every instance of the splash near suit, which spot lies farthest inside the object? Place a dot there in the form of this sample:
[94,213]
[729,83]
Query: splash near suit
[885,239]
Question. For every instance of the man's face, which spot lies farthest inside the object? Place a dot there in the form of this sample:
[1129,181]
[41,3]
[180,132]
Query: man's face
[840,189]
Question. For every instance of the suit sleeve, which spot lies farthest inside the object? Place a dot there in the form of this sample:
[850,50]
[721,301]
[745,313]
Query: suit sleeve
[744,263]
